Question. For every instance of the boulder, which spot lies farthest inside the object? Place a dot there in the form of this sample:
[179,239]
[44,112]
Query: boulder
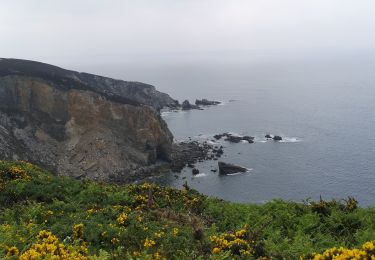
[250,139]
[219,136]
[195,171]
[227,168]
[233,139]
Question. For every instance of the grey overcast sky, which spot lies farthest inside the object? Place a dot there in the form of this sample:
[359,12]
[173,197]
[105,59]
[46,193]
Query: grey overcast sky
[116,30]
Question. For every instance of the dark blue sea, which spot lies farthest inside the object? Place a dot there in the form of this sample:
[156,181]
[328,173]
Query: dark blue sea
[324,109]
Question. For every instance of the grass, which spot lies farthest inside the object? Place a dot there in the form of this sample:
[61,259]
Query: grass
[43,215]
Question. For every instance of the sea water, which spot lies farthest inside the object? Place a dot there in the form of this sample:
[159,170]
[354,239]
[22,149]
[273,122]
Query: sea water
[324,110]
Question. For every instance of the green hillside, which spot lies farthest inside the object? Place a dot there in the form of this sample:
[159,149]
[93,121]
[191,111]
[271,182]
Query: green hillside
[42,215]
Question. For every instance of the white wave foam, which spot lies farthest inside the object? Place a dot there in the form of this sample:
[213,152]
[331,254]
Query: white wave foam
[200,175]
[248,170]
[203,136]
[235,134]
[165,113]
[284,140]
[223,102]
[290,140]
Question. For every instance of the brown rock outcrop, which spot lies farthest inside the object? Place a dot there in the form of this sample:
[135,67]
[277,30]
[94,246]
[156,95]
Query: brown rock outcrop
[74,127]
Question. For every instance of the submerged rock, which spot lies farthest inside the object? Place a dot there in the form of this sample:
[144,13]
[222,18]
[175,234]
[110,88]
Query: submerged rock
[195,171]
[227,168]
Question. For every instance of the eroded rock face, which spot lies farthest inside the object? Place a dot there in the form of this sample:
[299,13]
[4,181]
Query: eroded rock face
[77,130]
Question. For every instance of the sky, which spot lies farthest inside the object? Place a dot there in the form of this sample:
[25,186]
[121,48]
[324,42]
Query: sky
[139,31]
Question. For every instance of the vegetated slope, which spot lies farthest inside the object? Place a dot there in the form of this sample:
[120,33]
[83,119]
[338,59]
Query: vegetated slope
[44,215]
[80,124]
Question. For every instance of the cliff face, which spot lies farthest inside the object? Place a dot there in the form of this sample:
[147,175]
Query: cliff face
[80,124]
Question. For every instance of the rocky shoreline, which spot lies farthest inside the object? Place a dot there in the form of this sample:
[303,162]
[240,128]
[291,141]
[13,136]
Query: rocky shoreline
[199,104]
[184,154]
[190,152]
[89,126]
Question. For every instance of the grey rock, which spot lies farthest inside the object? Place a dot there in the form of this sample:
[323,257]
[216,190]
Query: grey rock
[234,138]
[187,106]
[206,102]
[227,168]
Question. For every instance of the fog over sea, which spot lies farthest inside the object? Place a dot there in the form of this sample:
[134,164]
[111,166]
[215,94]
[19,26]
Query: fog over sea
[323,108]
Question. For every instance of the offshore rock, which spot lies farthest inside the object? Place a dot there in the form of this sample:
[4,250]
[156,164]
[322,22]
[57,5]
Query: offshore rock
[227,168]
[187,106]
[234,138]
[206,102]
[79,124]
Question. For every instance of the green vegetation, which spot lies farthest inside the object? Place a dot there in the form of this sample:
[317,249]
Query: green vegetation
[42,215]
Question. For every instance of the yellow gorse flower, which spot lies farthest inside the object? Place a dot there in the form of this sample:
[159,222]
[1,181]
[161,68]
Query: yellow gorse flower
[78,231]
[236,243]
[149,243]
[12,251]
[175,231]
[159,234]
[365,252]
[122,218]
[48,246]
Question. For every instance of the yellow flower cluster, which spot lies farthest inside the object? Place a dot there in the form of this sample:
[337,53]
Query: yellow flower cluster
[149,243]
[48,246]
[141,199]
[237,243]
[78,231]
[12,173]
[367,251]
[157,256]
[159,234]
[12,251]
[161,194]
[122,218]
[18,173]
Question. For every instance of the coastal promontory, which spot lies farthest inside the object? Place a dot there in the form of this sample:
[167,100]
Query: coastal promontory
[79,124]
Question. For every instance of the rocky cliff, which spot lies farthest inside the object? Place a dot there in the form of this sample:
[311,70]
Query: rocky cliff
[80,124]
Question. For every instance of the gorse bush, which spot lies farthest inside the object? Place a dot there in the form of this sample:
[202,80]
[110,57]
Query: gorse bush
[43,216]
